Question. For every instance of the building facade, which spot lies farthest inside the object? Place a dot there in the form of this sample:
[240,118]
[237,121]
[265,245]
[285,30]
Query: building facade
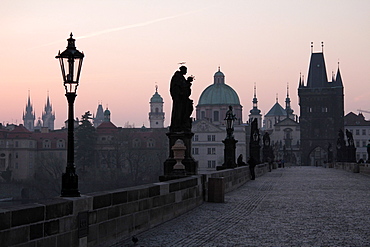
[360,129]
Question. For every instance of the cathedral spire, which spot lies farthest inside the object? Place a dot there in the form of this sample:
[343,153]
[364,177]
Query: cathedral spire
[48,116]
[29,115]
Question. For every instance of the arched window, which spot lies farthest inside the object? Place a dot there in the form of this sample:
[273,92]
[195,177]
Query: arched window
[46,143]
[150,143]
[61,143]
[136,143]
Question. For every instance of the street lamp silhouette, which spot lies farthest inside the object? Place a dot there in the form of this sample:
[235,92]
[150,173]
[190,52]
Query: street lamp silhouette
[70,63]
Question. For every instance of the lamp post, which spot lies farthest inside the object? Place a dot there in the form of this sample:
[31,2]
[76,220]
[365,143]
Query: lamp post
[70,63]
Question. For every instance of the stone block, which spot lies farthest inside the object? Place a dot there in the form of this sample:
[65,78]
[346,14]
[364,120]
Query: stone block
[164,188]
[132,195]
[67,224]
[27,214]
[36,231]
[107,231]
[80,204]
[101,200]
[170,198]
[155,216]
[125,225]
[57,208]
[51,227]
[145,204]
[102,215]
[92,217]
[129,208]
[64,239]
[159,201]
[92,237]
[154,190]
[178,196]
[14,236]
[47,242]
[174,186]
[114,212]
[143,193]
[119,197]
[141,220]
[216,190]
[5,217]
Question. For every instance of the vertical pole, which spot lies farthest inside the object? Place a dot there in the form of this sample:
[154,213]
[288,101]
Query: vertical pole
[70,178]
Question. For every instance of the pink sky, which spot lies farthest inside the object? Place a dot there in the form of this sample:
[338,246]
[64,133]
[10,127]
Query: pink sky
[131,45]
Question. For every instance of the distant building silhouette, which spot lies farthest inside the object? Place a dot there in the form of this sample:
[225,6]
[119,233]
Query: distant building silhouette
[48,116]
[322,111]
[255,112]
[99,117]
[156,114]
[360,129]
[29,115]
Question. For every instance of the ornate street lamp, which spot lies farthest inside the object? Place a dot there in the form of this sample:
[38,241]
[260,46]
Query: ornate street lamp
[70,63]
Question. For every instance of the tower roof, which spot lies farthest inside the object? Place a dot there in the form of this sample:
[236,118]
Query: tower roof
[156,98]
[317,76]
[276,110]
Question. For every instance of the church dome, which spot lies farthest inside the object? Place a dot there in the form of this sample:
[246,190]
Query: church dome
[219,93]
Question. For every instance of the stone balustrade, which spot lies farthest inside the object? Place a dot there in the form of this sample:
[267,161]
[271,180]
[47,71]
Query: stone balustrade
[103,217]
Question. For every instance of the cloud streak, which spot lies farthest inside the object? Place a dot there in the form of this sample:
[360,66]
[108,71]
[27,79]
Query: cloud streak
[111,30]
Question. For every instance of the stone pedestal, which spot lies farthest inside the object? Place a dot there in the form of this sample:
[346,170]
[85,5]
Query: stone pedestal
[191,165]
[229,154]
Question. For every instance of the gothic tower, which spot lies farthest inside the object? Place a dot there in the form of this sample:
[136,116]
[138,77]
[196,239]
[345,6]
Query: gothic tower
[322,111]
[99,117]
[255,112]
[156,114]
[48,116]
[29,115]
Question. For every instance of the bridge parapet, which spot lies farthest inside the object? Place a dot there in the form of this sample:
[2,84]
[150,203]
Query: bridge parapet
[102,217]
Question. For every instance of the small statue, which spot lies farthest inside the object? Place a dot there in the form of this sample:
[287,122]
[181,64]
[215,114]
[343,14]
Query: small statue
[266,139]
[182,107]
[350,138]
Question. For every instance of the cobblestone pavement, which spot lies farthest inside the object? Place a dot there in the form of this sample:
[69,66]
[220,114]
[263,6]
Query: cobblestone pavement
[298,206]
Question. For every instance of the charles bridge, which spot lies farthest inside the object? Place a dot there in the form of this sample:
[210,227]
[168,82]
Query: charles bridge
[291,206]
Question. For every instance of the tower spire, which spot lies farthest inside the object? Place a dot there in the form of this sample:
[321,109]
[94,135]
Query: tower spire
[311,47]
[322,46]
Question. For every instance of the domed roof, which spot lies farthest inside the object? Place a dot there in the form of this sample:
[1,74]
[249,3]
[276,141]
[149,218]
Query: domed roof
[156,98]
[106,112]
[219,93]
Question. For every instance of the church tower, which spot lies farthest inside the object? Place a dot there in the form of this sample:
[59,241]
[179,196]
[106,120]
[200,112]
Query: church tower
[99,117]
[255,113]
[288,108]
[48,116]
[156,114]
[322,111]
[29,115]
